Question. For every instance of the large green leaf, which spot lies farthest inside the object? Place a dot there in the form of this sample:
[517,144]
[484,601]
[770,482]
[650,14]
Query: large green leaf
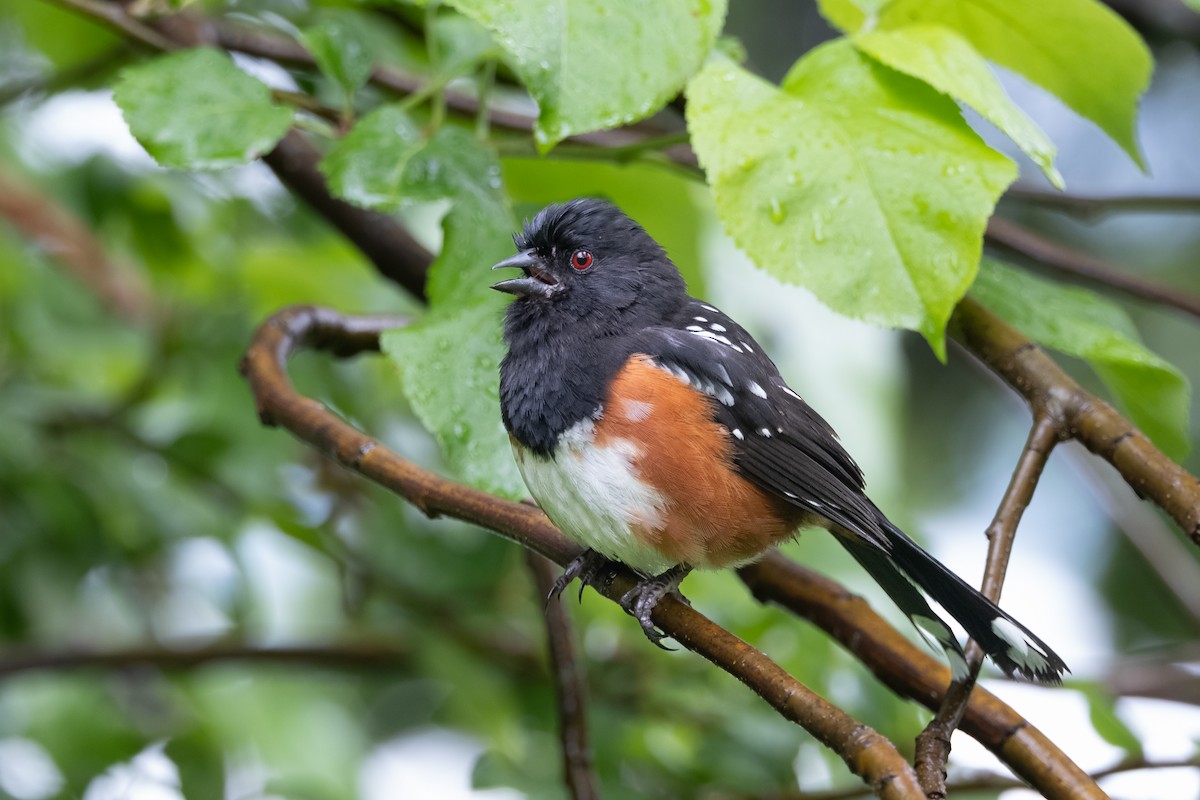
[1080,50]
[196,110]
[853,180]
[599,63]
[1082,324]
[947,62]
[449,359]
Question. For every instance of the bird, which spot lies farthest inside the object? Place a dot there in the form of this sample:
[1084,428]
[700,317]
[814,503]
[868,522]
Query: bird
[654,430]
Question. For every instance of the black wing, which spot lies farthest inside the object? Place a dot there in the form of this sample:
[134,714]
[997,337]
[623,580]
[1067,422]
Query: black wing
[783,445]
[780,442]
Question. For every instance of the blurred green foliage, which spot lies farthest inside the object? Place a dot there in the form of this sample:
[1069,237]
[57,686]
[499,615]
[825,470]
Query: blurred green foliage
[143,506]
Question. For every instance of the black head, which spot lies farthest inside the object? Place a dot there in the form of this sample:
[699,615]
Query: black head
[585,260]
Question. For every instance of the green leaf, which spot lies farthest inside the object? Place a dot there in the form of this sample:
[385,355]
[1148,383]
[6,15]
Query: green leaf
[341,42]
[368,166]
[449,359]
[1082,324]
[594,64]
[948,63]
[462,43]
[1080,50]
[857,182]
[449,364]
[1102,711]
[196,110]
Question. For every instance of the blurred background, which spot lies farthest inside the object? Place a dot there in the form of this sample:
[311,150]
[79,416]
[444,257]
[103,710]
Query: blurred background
[192,605]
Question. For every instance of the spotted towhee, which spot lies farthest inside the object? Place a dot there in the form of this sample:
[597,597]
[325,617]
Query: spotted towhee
[655,431]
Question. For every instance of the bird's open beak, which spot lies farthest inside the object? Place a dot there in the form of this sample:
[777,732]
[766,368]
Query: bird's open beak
[536,280]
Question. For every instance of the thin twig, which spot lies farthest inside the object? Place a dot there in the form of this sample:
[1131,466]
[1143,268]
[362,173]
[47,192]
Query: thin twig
[867,753]
[114,16]
[1089,268]
[570,685]
[1089,207]
[933,744]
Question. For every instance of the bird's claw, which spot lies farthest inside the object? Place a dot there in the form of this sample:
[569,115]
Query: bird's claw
[587,566]
[641,600]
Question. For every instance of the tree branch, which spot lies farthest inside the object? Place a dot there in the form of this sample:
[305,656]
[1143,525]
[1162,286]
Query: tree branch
[570,685]
[114,16]
[933,744]
[350,655]
[865,752]
[1086,207]
[1079,414]
[893,658]
[911,672]
[1073,263]
[58,232]
[388,244]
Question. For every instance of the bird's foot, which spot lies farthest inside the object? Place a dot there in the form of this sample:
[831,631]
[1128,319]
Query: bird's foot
[640,601]
[587,566]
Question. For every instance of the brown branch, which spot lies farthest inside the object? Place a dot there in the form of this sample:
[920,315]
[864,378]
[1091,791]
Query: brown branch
[388,244]
[1079,414]
[866,753]
[933,744]
[1087,207]
[980,783]
[1075,264]
[58,232]
[570,686]
[350,655]
[114,16]
[911,672]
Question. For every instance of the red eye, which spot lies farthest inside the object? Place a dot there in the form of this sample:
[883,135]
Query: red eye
[581,260]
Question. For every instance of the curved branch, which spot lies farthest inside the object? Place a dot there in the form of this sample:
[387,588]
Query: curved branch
[1079,414]
[1097,271]
[896,661]
[865,751]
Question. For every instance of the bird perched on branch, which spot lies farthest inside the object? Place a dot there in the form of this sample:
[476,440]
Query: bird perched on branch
[655,431]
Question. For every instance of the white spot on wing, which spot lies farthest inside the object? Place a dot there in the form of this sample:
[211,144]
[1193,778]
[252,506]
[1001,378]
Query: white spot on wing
[694,328]
[746,345]
[756,389]
[765,432]
[958,664]
[707,308]
[700,319]
[718,328]
[1021,650]
[738,433]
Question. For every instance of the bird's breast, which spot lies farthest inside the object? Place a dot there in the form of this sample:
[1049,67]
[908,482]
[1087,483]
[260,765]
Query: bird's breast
[649,479]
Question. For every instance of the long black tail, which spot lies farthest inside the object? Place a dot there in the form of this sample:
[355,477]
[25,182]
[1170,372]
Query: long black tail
[1012,646]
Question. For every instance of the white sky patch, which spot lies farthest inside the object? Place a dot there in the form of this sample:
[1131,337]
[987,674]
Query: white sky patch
[149,775]
[434,762]
[71,127]
[27,772]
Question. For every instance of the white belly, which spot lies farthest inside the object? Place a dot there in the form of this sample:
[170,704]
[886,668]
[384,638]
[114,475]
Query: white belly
[596,497]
